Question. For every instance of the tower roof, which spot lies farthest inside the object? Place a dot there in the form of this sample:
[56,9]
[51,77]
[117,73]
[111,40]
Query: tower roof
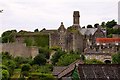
[61,28]
[76,14]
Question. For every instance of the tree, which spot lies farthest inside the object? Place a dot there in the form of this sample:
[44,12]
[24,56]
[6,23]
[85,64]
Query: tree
[8,36]
[11,66]
[45,52]
[116,58]
[89,26]
[110,24]
[56,56]
[25,67]
[5,75]
[67,59]
[39,59]
[96,25]
[103,24]
[36,30]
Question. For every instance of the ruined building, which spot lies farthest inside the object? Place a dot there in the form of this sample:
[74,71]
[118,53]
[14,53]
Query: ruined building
[74,38]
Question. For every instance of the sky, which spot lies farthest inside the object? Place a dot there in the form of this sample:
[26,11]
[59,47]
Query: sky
[31,14]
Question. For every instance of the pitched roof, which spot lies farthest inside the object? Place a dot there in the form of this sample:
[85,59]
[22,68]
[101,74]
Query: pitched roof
[61,28]
[62,71]
[58,69]
[69,68]
[99,71]
[88,31]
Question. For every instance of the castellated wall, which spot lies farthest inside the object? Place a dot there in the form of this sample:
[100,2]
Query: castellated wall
[19,49]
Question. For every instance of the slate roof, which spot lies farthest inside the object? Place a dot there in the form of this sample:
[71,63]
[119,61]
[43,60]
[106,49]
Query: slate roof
[99,71]
[62,71]
[58,69]
[88,31]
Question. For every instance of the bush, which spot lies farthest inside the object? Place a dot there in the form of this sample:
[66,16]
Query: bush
[5,75]
[67,59]
[25,67]
[116,58]
[93,61]
[39,59]
[56,56]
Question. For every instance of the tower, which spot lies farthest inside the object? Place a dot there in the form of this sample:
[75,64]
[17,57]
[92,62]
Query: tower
[76,18]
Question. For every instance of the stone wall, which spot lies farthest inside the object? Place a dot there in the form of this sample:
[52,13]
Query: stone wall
[19,49]
[99,56]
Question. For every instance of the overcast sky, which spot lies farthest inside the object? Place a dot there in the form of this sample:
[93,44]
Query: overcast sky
[31,14]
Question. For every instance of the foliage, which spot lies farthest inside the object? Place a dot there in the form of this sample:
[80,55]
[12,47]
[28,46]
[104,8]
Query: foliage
[56,56]
[42,41]
[103,24]
[29,41]
[5,75]
[3,67]
[110,24]
[6,55]
[82,57]
[10,65]
[36,30]
[67,59]
[39,59]
[7,36]
[45,52]
[96,25]
[42,76]
[25,67]
[72,29]
[89,26]
[93,61]
[116,58]
[21,60]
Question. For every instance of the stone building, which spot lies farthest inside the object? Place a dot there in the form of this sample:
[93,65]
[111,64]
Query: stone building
[75,38]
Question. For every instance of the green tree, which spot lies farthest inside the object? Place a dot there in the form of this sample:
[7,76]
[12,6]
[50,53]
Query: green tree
[11,66]
[116,58]
[25,67]
[110,24]
[39,59]
[67,59]
[103,24]
[56,56]
[8,36]
[5,75]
